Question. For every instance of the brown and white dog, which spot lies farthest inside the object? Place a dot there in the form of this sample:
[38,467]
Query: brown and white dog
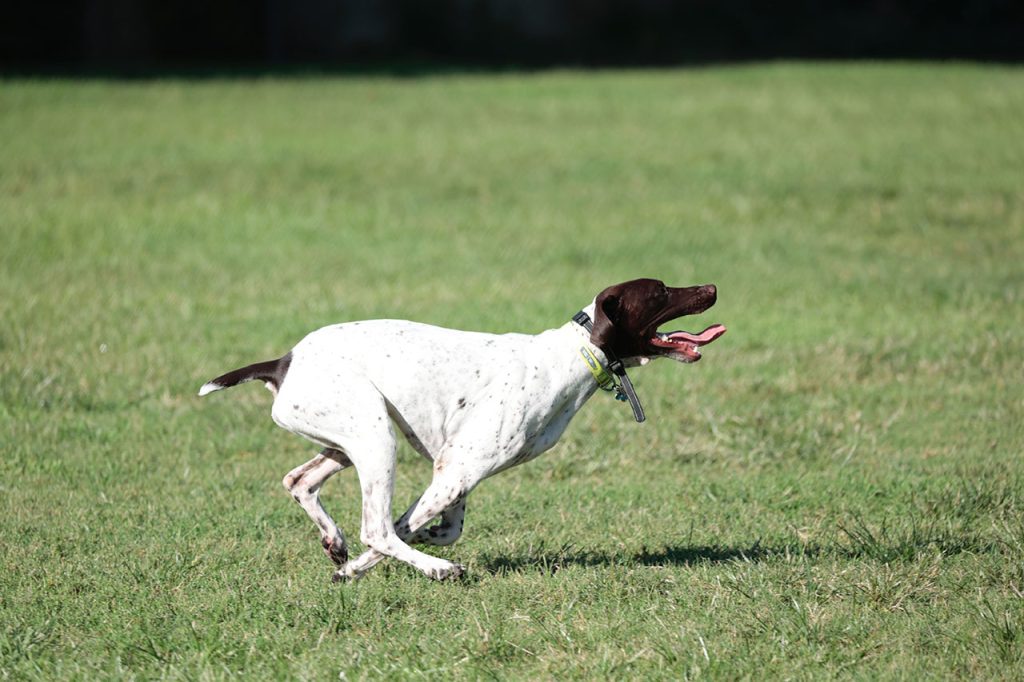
[472,403]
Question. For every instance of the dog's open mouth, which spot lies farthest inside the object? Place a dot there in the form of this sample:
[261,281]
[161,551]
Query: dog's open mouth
[683,346]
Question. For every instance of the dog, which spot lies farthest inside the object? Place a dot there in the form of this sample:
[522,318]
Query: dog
[474,404]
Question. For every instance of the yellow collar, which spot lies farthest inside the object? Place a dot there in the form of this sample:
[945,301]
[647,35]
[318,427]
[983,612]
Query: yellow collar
[604,378]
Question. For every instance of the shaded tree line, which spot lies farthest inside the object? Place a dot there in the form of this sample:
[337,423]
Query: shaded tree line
[126,34]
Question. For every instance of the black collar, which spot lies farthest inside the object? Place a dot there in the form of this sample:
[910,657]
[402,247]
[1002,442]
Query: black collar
[624,388]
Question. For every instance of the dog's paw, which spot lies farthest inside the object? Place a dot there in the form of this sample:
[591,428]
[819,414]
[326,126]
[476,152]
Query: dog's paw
[335,549]
[343,576]
[448,572]
[348,573]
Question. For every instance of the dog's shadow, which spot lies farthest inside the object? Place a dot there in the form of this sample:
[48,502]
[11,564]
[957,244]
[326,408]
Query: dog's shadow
[569,556]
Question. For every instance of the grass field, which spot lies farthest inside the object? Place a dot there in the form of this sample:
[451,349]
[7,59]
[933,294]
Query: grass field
[836,490]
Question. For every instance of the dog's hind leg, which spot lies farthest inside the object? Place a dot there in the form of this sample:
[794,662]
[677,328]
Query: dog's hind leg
[304,482]
[356,423]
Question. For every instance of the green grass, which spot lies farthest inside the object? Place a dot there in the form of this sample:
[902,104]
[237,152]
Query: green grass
[836,490]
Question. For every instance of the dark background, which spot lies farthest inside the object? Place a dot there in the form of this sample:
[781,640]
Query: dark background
[137,35]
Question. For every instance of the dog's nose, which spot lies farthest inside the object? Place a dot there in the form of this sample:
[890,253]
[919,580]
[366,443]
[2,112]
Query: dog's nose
[711,290]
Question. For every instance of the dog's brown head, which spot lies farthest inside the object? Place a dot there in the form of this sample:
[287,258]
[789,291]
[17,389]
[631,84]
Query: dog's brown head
[627,315]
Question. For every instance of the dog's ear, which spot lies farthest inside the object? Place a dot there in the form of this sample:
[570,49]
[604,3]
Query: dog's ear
[606,316]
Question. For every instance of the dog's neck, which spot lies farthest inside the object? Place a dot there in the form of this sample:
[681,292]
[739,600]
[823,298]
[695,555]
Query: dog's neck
[589,365]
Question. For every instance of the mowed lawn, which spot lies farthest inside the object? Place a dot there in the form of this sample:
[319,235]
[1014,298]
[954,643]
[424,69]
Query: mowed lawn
[837,489]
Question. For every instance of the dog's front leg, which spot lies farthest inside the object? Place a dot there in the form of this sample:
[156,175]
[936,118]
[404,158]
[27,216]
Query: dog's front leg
[444,533]
[447,491]
[376,468]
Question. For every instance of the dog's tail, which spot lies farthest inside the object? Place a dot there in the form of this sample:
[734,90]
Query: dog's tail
[271,372]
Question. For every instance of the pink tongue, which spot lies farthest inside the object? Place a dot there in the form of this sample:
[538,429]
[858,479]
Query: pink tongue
[705,337]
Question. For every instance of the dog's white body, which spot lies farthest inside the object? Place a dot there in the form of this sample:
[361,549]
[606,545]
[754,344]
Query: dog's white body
[473,403]
[480,401]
